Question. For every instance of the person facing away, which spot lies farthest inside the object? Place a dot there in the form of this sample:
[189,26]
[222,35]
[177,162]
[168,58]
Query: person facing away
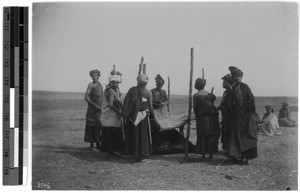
[94,98]
[242,135]
[159,94]
[269,125]
[207,124]
[111,116]
[227,79]
[284,117]
[137,109]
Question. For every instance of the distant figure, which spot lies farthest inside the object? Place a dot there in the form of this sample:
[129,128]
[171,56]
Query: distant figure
[159,94]
[94,98]
[269,125]
[137,109]
[227,79]
[111,116]
[284,117]
[207,124]
[242,135]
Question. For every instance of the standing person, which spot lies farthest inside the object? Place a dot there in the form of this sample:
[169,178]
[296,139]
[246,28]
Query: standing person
[111,115]
[94,98]
[269,125]
[224,110]
[159,94]
[284,117]
[242,138]
[137,109]
[206,126]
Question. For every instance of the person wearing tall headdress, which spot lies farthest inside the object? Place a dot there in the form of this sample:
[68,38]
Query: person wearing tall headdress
[284,116]
[269,124]
[159,94]
[137,109]
[207,126]
[111,115]
[94,98]
[227,79]
[242,136]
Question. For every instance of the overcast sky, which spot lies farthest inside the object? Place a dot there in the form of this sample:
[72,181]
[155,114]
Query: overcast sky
[70,39]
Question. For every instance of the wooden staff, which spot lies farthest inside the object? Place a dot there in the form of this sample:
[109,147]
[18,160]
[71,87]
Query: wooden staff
[190,106]
[144,68]
[141,65]
[212,90]
[168,101]
[202,73]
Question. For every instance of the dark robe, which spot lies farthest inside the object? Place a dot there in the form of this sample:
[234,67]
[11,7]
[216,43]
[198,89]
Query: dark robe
[225,120]
[207,123]
[137,140]
[242,139]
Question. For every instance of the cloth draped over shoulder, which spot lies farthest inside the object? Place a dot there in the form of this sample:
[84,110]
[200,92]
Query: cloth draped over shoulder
[93,116]
[242,140]
[109,117]
[269,125]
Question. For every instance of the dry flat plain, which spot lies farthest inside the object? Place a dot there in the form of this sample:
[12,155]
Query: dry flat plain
[62,161]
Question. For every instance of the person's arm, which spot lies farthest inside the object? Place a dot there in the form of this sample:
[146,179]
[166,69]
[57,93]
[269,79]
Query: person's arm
[195,105]
[87,96]
[112,94]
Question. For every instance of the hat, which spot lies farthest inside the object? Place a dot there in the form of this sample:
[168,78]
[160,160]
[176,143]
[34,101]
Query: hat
[159,78]
[235,71]
[115,78]
[285,104]
[94,71]
[227,78]
[142,79]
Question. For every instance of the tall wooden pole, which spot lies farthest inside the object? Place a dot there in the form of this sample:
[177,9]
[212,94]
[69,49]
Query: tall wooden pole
[168,102]
[202,73]
[190,106]
[141,65]
[144,68]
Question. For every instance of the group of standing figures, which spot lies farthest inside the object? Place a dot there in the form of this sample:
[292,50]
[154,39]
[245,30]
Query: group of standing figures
[238,125]
[127,127]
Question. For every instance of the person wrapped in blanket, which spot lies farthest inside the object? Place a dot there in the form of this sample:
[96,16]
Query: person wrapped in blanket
[242,135]
[207,122]
[227,79]
[284,117]
[137,109]
[269,125]
[111,115]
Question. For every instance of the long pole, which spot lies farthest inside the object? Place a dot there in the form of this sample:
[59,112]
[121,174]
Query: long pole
[168,102]
[141,65]
[190,106]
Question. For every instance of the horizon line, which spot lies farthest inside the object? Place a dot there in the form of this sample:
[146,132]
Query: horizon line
[125,92]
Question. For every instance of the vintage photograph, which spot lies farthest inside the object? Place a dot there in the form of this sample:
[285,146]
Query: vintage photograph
[165,96]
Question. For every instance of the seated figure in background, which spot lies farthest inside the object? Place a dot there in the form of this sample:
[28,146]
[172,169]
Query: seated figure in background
[159,94]
[284,117]
[269,125]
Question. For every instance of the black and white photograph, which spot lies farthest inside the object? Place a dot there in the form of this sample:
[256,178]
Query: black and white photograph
[164,96]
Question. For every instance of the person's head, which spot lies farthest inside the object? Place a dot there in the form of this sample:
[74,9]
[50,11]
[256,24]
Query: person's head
[200,83]
[227,79]
[236,74]
[269,109]
[142,80]
[285,104]
[114,81]
[95,74]
[159,81]
[211,97]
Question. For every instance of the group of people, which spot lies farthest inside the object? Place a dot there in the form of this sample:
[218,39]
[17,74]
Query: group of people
[128,127]
[270,124]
